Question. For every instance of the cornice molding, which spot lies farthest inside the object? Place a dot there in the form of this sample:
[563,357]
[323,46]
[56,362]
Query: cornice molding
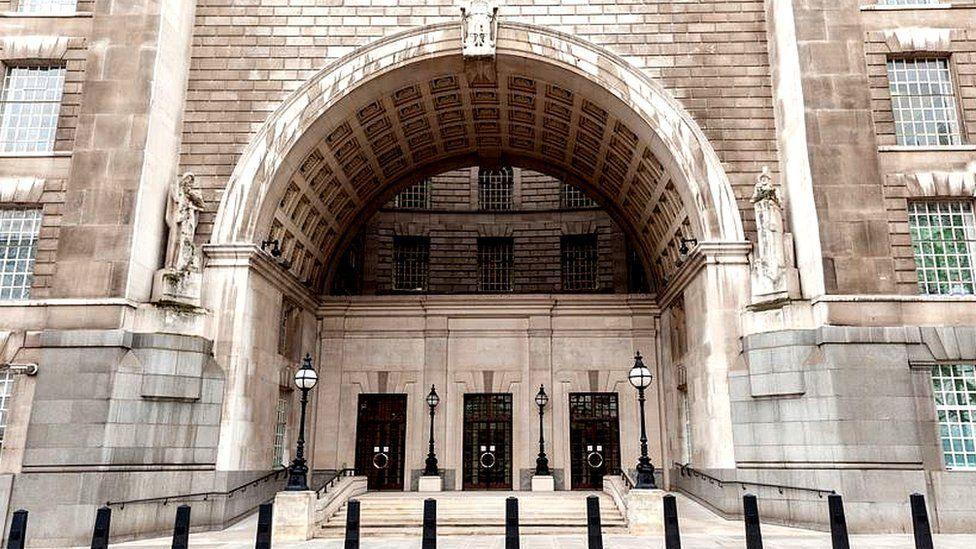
[249,256]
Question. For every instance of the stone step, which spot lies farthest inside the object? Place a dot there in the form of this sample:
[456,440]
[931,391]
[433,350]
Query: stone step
[448,530]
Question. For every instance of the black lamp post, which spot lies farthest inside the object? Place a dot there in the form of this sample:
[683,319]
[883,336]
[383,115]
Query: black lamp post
[640,377]
[541,462]
[430,468]
[305,379]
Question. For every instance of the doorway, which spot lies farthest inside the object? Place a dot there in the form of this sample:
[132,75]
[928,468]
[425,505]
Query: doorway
[487,441]
[381,433]
[594,439]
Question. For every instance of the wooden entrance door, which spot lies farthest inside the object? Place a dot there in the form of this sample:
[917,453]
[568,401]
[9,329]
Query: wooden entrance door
[487,441]
[381,436]
[594,439]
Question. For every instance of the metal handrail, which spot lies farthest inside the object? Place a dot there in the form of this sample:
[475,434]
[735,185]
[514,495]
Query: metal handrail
[324,489]
[687,470]
[628,482]
[201,496]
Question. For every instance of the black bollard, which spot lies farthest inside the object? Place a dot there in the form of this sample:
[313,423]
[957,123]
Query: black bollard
[429,540]
[18,530]
[103,523]
[181,528]
[838,522]
[352,525]
[750,511]
[920,522]
[511,523]
[672,534]
[594,528]
[263,540]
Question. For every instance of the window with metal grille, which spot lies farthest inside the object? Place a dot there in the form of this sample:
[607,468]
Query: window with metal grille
[414,197]
[19,229]
[411,261]
[579,262]
[495,264]
[923,101]
[281,428]
[573,197]
[47,6]
[29,107]
[496,188]
[954,388]
[944,239]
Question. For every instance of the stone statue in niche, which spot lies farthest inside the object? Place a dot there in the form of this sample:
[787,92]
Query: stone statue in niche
[479,28]
[179,281]
[774,278]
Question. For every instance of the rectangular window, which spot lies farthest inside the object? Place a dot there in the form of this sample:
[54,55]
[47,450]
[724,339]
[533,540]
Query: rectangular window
[47,6]
[29,107]
[19,230]
[954,388]
[281,427]
[411,261]
[573,197]
[944,239]
[923,102]
[495,264]
[496,189]
[579,262]
[414,197]
[6,391]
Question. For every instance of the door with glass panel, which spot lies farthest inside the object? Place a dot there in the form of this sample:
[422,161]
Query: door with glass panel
[594,439]
[381,435]
[487,442]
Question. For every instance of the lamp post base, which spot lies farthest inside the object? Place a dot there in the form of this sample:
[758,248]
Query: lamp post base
[645,475]
[430,484]
[543,483]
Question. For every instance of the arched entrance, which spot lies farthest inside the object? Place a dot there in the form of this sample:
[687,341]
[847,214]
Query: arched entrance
[410,106]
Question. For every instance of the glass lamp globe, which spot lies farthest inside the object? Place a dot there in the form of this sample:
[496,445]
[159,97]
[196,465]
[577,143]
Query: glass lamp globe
[541,398]
[305,377]
[432,399]
[640,376]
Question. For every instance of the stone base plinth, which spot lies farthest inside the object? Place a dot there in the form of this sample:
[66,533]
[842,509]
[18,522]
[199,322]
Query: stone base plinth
[645,512]
[542,483]
[173,288]
[294,513]
[430,484]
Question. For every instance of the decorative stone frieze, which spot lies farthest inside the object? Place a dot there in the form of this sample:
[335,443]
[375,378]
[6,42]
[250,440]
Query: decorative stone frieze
[22,48]
[479,28]
[21,190]
[961,183]
[917,39]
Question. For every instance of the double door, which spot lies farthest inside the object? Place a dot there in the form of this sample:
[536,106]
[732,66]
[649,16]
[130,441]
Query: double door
[487,442]
[381,434]
[594,439]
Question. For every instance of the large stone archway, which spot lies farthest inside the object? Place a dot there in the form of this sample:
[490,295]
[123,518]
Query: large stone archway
[409,106]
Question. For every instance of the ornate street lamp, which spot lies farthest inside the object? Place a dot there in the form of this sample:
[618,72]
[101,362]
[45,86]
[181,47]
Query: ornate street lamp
[640,377]
[305,379]
[542,462]
[430,469]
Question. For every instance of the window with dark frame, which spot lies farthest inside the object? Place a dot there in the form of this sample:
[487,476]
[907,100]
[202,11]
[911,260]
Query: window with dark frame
[572,198]
[495,264]
[579,262]
[414,197]
[411,262]
[496,189]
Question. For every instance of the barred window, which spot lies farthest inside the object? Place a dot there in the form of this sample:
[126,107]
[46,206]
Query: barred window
[579,262]
[19,230]
[944,239]
[496,188]
[414,197]
[281,427]
[923,102]
[47,6]
[573,197]
[411,261]
[495,264]
[954,388]
[29,107]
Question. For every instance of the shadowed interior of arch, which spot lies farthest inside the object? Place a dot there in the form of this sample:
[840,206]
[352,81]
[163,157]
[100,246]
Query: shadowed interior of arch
[447,113]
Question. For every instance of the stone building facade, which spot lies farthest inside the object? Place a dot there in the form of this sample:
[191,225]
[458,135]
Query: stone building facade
[795,177]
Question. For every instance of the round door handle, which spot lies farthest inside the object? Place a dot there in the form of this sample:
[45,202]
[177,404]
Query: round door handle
[594,460]
[487,460]
[381,460]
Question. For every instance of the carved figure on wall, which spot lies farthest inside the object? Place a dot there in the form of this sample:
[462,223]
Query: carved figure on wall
[182,216]
[479,28]
[770,256]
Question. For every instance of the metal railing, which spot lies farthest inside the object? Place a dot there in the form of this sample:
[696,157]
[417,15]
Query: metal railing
[200,496]
[628,482]
[686,470]
[332,480]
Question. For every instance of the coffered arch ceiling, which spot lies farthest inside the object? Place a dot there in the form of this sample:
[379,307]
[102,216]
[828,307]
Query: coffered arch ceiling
[656,176]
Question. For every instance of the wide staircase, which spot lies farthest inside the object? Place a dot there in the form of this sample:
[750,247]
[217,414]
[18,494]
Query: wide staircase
[474,513]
